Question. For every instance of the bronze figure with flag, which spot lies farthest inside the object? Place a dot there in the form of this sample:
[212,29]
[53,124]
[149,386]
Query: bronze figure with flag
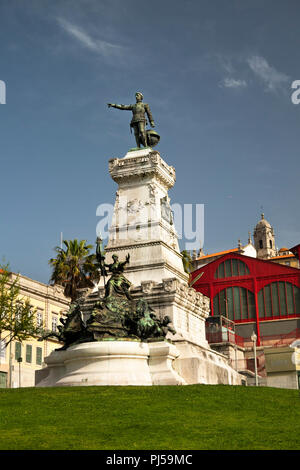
[100,255]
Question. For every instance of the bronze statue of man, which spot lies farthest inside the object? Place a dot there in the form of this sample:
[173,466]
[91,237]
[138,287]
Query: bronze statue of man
[138,121]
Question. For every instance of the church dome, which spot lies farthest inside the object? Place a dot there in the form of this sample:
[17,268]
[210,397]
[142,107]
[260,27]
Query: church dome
[263,223]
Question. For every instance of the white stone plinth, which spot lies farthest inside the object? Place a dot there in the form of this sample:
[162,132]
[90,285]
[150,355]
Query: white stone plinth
[199,365]
[161,357]
[143,152]
[186,308]
[111,363]
[142,223]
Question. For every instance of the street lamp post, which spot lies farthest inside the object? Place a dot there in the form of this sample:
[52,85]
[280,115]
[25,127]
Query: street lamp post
[10,364]
[226,310]
[254,338]
[19,361]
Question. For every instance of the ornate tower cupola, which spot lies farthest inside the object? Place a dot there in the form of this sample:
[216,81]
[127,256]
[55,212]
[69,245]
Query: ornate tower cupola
[264,239]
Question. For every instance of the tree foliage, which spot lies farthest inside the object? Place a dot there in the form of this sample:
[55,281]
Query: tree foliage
[187,261]
[74,267]
[17,316]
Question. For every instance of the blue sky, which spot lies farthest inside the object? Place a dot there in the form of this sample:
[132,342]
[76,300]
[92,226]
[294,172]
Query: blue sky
[217,76]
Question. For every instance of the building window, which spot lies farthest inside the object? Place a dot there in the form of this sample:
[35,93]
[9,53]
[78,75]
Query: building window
[39,353]
[18,350]
[39,318]
[261,244]
[278,299]
[28,353]
[235,302]
[54,322]
[231,268]
[2,349]
[3,379]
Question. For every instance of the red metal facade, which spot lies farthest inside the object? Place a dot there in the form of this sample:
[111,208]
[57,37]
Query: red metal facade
[261,274]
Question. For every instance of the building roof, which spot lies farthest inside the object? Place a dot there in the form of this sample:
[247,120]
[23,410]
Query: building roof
[234,250]
[296,250]
[220,253]
[283,256]
[257,267]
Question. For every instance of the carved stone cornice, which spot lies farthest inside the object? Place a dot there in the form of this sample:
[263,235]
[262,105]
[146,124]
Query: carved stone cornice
[134,245]
[186,294]
[133,169]
[173,291]
[38,290]
[147,286]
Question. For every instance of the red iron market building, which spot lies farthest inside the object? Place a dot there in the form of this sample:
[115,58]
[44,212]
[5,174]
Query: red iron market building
[256,294]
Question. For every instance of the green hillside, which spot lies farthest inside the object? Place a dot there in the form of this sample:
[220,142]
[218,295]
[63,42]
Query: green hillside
[183,417]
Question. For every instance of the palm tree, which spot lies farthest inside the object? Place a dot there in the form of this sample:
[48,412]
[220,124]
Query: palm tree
[74,267]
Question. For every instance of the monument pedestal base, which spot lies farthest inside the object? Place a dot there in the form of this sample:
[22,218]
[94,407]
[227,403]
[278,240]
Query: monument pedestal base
[111,363]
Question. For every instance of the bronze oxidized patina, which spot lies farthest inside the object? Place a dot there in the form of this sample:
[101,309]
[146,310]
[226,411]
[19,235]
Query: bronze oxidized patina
[116,315]
[147,138]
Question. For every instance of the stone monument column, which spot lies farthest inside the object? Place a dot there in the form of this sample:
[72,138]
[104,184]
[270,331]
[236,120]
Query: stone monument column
[143,224]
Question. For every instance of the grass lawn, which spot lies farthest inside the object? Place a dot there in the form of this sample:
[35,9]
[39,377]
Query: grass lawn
[140,418]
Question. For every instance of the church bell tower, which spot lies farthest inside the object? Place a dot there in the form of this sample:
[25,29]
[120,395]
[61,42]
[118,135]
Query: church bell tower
[264,239]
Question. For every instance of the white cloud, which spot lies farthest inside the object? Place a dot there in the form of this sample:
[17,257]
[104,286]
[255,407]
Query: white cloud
[226,63]
[273,79]
[96,45]
[233,83]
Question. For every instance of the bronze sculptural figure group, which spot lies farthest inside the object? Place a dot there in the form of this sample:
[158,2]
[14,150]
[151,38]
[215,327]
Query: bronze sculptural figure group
[115,316]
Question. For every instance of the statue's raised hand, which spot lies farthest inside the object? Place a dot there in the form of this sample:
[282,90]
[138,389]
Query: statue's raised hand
[152,124]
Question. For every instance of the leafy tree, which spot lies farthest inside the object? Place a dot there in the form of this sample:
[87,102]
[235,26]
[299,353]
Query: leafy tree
[187,261]
[17,316]
[74,267]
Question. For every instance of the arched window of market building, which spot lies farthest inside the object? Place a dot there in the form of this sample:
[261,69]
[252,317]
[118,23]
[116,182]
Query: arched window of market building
[231,268]
[237,303]
[278,299]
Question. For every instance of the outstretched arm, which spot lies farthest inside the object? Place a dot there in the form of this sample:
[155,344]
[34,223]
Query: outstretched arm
[120,106]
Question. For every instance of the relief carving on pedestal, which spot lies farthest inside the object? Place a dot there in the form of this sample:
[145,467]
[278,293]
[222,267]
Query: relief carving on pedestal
[166,212]
[170,285]
[154,157]
[152,193]
[147,286]
[135,206]
[112,163]
[192,294]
